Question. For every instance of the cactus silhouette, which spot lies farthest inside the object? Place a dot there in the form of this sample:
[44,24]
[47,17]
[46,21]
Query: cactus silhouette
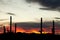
[10,23]
[41,25]
[15,27]
[53,29]
[4,29]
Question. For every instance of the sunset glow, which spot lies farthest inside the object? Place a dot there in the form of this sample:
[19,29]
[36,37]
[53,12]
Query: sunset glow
[32,30]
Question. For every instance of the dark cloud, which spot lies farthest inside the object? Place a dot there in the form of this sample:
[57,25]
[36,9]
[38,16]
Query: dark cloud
[47,3]
[28,25]
[29,1]
[47,26]
[50,3]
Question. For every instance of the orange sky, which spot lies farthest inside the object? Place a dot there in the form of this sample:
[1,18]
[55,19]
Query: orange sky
[32,30]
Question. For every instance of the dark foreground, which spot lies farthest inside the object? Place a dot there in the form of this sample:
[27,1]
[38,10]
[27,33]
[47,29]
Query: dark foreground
[24,36]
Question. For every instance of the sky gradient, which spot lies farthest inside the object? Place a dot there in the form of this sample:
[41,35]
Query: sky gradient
[22,11]
[25,11]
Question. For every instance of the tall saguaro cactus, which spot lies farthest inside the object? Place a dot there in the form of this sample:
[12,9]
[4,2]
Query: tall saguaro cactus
[4,29]
[15,27]
[53,28]
[41,25]
[10,23]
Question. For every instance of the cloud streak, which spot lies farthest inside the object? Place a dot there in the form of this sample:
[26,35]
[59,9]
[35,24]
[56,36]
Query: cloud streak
[11,14]
[3,19]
